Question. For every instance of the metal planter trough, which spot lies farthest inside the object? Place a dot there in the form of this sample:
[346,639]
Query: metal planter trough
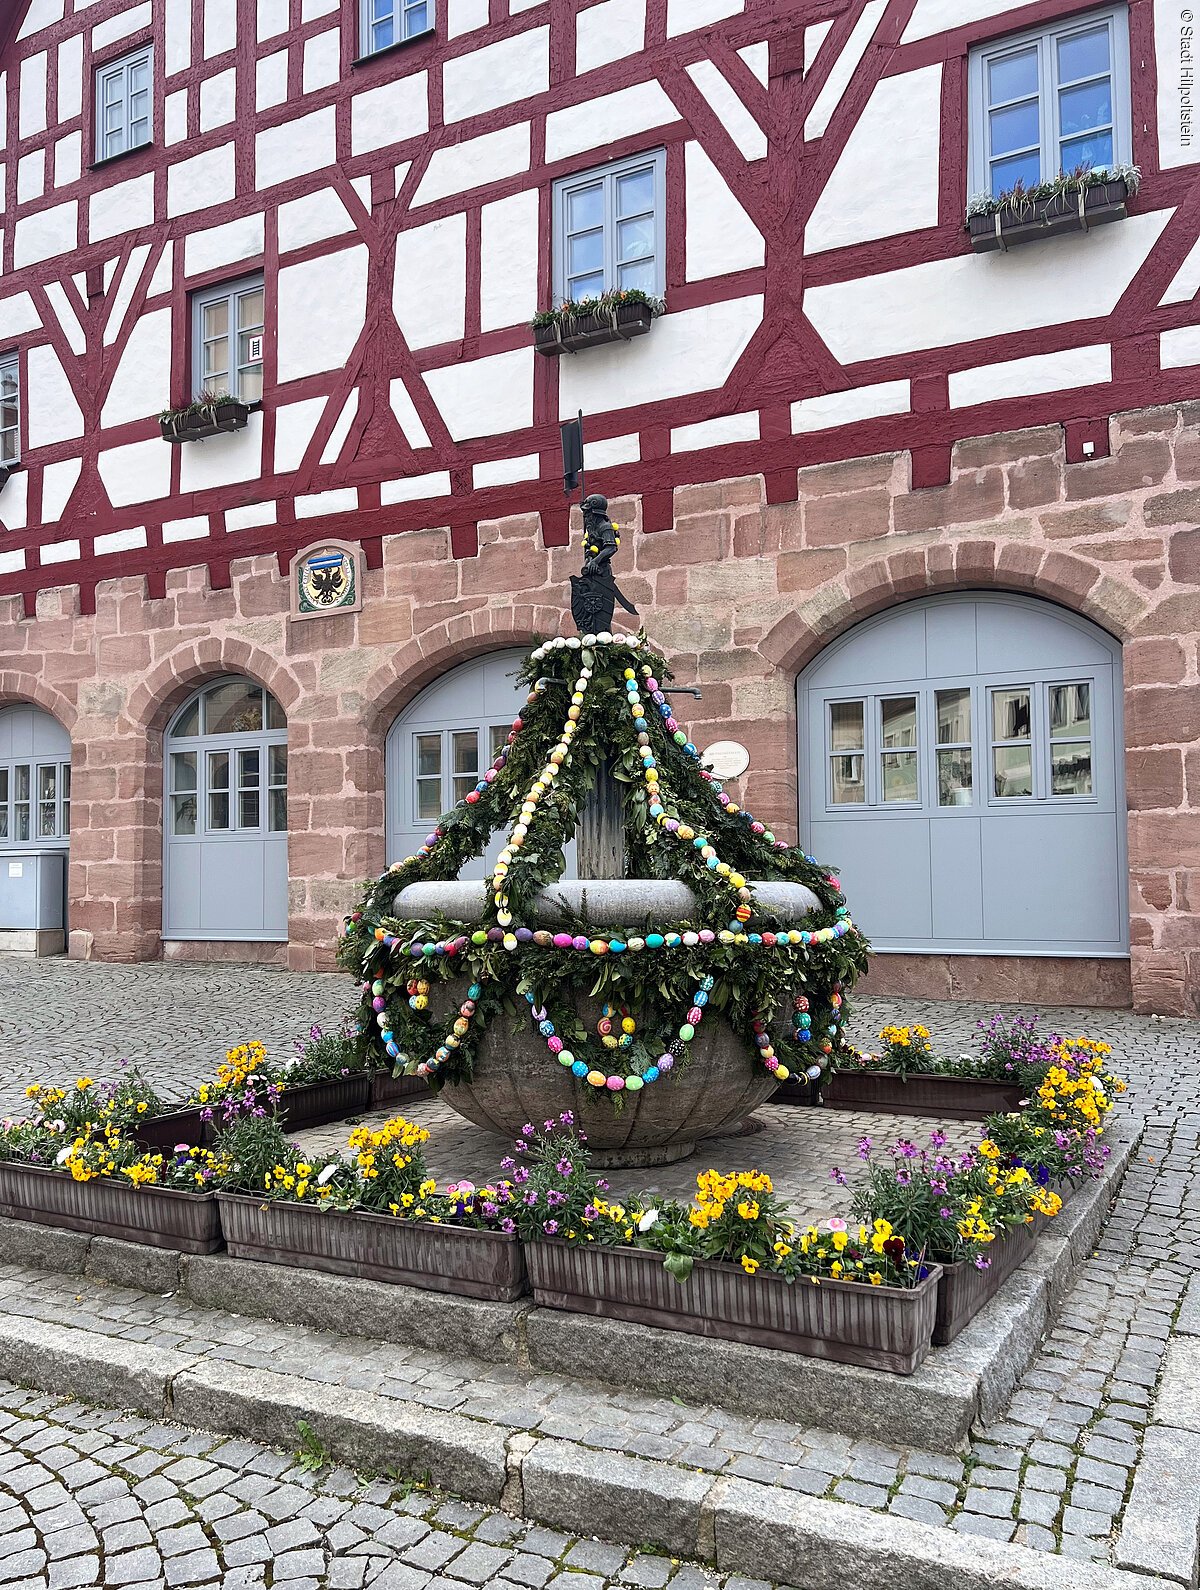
[879,1327]
[962,1098]
[211,419]
[1008,227]
[316,1103]
[387,1089]
[574,332]
[157,1217]
[963,1290]
[438,1258]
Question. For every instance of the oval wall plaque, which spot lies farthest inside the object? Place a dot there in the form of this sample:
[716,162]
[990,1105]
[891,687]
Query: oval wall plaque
[726,758]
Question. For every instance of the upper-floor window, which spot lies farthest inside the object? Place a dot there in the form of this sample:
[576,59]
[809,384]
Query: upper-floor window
[123,104]
[227,339]
[609,229]
[1051,100]
[10,409]
[385,22]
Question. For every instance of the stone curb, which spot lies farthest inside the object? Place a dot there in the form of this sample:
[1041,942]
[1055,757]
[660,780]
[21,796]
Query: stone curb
[90,1367]
[1160,1532]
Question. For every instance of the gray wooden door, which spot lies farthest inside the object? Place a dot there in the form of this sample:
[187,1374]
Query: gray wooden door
[441,745]
[961,763]
[225,816]
[35,818]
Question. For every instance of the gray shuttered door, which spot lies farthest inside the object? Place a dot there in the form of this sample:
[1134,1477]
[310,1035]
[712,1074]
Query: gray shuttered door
[961,762]
[441,745]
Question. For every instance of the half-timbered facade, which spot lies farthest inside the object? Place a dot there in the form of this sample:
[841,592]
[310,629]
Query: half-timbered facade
[913,504]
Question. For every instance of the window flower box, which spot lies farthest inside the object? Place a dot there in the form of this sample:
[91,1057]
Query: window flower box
[386,1089]
[438,1258]
[196,421]
[944,1097]
[963,1290]
[880,1327]
[1029,218]
[157,1217]
[613,317]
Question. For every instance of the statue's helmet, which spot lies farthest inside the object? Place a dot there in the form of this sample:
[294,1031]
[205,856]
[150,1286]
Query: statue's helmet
[595,503]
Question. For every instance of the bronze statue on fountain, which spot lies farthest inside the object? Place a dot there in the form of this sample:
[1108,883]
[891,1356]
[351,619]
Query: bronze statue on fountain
[594,591]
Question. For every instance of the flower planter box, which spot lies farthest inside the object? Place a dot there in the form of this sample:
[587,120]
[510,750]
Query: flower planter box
[160,1133]
[963,1290]
[387,1089]
[589,331]
[964,1098]
[315,1103]
[157,1217]
[195,426]
[1040,218]
[881,1327]
[800,1093]
[439,1258]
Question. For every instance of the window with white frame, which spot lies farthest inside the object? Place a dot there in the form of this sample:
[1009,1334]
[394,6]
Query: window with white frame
[10,409]
[123,104]
[382,23]
[1054,99]
[227,339]
[609,229]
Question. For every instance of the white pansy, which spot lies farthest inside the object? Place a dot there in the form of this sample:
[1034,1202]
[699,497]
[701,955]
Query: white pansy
[650,1218]
[327,1174]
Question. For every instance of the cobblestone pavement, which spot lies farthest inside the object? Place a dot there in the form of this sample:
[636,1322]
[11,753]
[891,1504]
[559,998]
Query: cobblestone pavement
[1055,1474]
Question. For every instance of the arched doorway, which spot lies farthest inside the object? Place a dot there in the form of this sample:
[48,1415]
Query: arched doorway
[441,745]
[35,829]
[226,815]
[961,762]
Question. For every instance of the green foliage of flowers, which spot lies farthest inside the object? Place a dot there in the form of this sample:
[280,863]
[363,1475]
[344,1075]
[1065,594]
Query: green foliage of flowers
[602,304]
[1066,187]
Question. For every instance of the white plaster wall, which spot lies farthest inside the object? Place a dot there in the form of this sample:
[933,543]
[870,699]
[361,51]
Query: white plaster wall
[271,18]
[721,237]
[685,15]
[12,562]
[218,100]
[429,286]
[177,41]
[868,196]
[45,233]
[311,219]
[31,176]
[220,27]
[610,451]
[406,414]
[123,292]
[1176,349]
[17,314]
[939,16]
[1185,283]
[200,181]
[844,67]
[270,80]
[609,31]
[971,296]
[41,14]
[294,148]
[58,482]
[141,384]
[464,16]
[175,118]
[758,58]
[457,168]
[121,208]
[137,472]
[315,504]
[193,528]
[14,505]
[120,541]
[295,426]
[389,114]
[413,487]
[222,460]
[485,397]
[60,552]
[1044,372]
[729,110]
[163,273]
[606,119]
[321,308]
[498,74]
[68,159]
[121,25]
[64,313]
[332,450]
[831,409]
[214,246]
[251,516]
[31,99]
[508,281]
[721,431]
[322,60]
[506,471]
[70,77]
[694,350]
[1177,145]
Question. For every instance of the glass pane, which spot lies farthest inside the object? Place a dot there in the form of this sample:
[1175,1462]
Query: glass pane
[585,252]
[183,814]
[463,784]
[1013,76]
[635,192]
[429,755]
[8,447]
[66,781]
[1010,714]
[3,786]
[189,722]
[1081,109]
[585,286]
[216,362]
[277,764]
[250,310]
[66,818]
[250,384]
[22,781]
[46,819]
[277,806]
[585,208]
[954,778]
[382,35]
[218,770]
[1021,168]
[1083,55]
[429,798]
[898,721]
[465,751]
[248,808]
[248,769]
[846,780]
[276,716]
[1071,768]
[953,717]
[47,783]
[1070,710]
[3,822]
[899,775]
[416,20]
[1094,149]
[21,819]
[139,75]
[1014,128]
[234,708]
[1014,771]
[635,239]
[498,739]
[640,275]
[845,725]
[216,319]
[218,812]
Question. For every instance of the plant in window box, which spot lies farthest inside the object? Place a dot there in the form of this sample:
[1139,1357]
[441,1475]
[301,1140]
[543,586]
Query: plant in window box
[614,316]
[1072,201]
[207,415]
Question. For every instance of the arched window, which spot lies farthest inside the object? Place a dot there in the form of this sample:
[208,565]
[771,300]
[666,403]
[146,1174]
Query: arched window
[226,815]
